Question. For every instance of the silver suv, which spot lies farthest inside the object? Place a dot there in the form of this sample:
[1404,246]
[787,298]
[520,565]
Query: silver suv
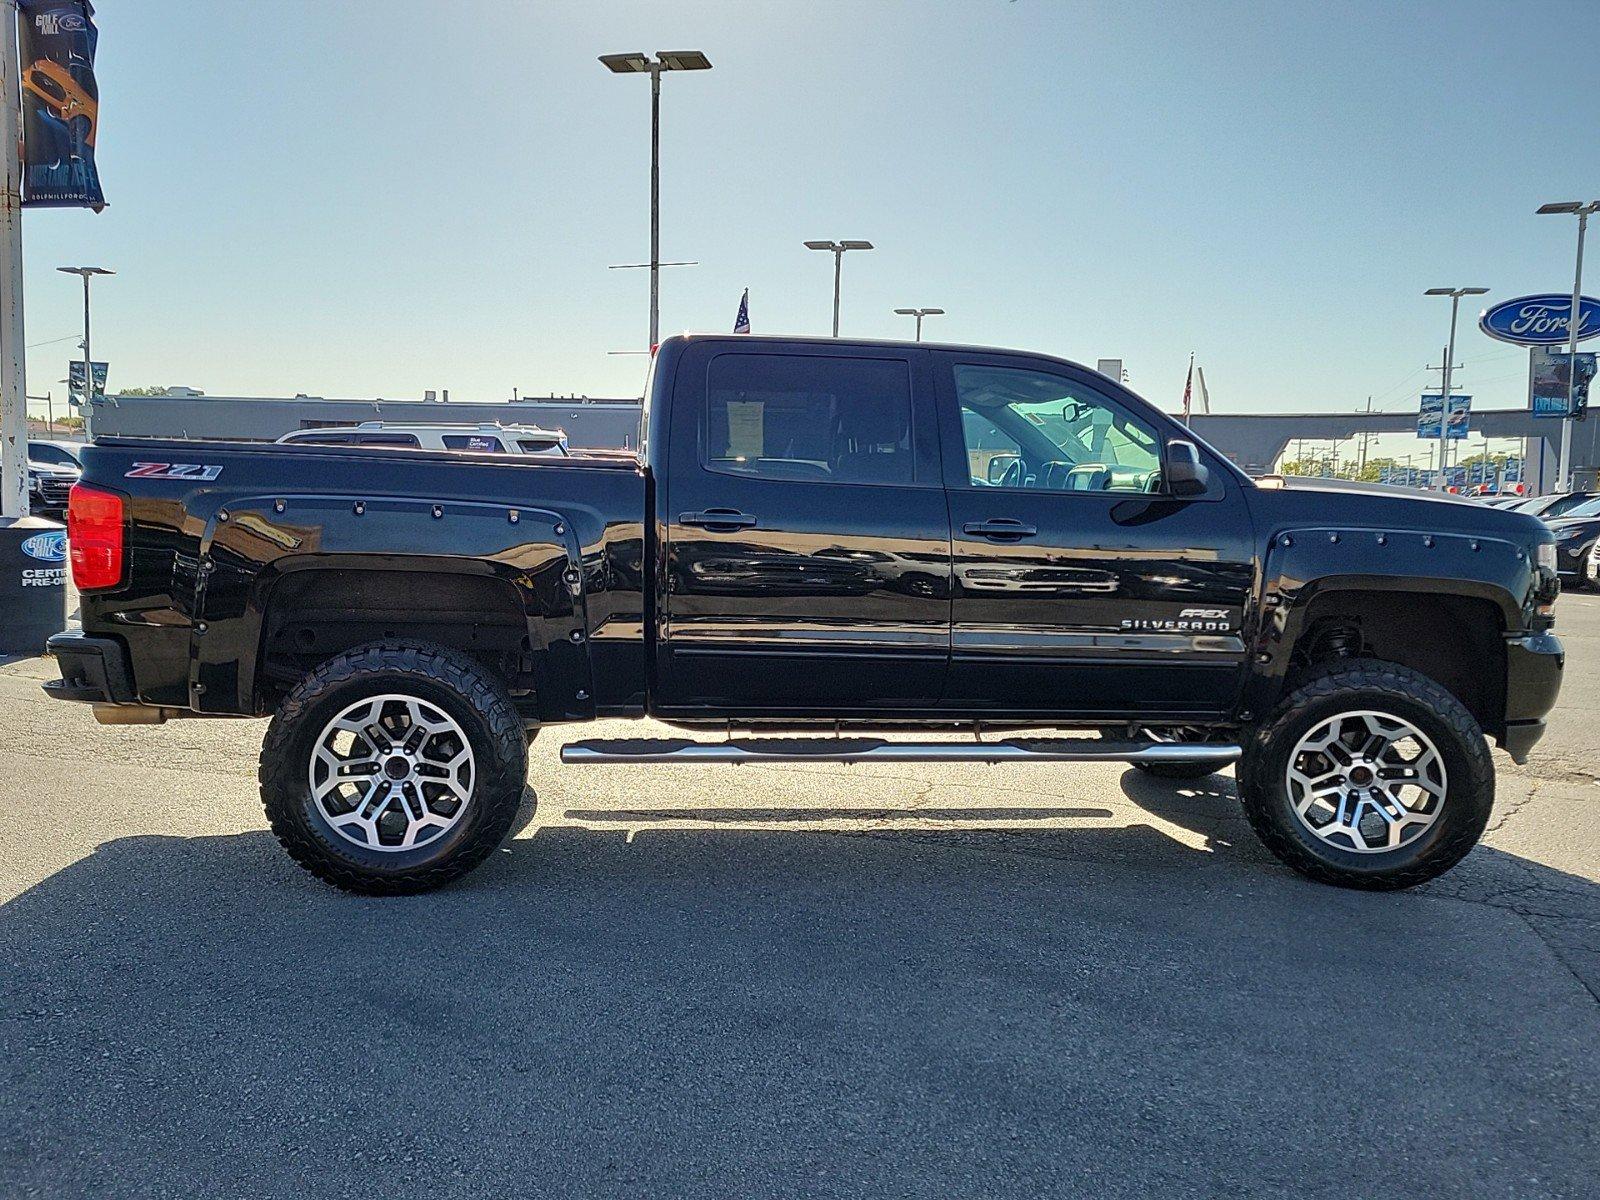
[486,438]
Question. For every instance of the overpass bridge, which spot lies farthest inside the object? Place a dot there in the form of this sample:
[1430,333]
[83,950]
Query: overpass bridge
[1257,440]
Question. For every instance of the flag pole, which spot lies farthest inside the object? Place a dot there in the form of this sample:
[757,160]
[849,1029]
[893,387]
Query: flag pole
[1188,383]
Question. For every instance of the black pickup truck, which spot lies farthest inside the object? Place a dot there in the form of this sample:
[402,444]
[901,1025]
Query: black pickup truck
[825,549]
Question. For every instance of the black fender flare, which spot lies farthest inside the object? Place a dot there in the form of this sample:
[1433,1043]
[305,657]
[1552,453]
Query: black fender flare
[253,543]
[1305,563]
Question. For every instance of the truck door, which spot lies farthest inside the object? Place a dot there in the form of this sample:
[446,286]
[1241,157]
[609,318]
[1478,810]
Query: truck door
[1081,586]
[807,543]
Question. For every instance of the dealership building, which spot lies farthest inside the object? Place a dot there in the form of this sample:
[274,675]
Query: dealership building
[1255,441]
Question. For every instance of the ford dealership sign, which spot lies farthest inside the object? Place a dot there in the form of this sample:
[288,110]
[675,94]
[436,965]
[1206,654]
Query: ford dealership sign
[1540,320]
[46,547]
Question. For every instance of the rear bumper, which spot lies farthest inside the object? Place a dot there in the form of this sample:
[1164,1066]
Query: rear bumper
[93,670]
[1534,665]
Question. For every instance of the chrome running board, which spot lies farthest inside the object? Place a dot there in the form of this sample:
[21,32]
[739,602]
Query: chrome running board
[852,750]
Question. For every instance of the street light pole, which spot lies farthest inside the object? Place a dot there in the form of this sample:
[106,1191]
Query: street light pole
[1581,211]
[13,360]
[88,359]
[1455,295]
[638,63]
[837,249]
[919,313]
[655,205]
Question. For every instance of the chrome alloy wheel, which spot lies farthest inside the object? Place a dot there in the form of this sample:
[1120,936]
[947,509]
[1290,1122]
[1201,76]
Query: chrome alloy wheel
[392,773]
[1366,782]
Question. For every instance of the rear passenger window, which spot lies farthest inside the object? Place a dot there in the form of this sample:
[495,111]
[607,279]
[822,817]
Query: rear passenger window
[481,442]
[809,418]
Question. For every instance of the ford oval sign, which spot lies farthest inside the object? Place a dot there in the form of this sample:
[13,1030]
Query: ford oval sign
[1540,320]
[46,547]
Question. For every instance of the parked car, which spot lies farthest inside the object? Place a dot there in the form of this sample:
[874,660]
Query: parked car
[487,438]
[1577,532]
[809,544]
[52,470]
[1556,504]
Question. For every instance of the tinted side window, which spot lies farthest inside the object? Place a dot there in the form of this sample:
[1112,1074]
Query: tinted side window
[482,442]
[1034,430]
[811,418]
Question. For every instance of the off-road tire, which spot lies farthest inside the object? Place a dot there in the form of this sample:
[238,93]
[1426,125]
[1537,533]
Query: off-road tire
[446,679]
[1386,687]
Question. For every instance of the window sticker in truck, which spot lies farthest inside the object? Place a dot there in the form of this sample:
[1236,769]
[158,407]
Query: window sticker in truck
[144,470]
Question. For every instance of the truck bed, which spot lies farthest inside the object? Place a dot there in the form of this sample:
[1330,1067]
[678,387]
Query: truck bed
[247,561]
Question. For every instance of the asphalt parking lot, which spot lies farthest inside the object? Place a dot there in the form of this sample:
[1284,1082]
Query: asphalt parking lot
[782,981]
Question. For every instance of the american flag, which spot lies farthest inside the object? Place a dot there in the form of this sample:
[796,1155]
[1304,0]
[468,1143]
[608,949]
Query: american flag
[1188,384]
[741,323]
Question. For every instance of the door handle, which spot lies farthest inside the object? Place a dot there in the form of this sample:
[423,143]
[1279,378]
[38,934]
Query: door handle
[718,519]
[1000,527]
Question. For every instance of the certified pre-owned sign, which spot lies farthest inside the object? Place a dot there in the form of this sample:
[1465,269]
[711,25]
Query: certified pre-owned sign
[45,548]
[1540,320]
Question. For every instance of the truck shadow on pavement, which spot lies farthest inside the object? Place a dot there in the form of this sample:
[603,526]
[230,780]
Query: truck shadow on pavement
[737,1012]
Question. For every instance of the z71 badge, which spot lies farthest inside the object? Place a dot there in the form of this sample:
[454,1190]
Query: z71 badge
[202,471]
[1190,620]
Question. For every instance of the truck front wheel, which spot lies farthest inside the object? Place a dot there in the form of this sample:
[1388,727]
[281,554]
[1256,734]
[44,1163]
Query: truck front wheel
[1369,775]
[394,768]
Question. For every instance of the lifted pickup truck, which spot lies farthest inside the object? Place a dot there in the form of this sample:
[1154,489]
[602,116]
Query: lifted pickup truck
[859,541]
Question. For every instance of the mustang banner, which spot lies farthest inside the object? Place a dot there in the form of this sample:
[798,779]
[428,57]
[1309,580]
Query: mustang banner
[60,104]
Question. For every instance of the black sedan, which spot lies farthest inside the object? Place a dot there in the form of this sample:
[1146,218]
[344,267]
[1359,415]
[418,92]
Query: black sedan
[1576,532]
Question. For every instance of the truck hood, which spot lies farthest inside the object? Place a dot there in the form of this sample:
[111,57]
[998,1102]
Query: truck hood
[1334,504]
[1311,483]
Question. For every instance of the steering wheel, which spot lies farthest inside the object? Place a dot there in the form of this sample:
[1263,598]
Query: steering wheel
[1013,476]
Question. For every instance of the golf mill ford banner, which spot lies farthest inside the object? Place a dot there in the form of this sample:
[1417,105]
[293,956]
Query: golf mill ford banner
[60,104]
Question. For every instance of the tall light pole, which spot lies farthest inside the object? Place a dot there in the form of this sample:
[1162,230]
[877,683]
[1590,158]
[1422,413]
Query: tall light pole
[640,63]
[88,359]
[1581,211]
[919,313]
[13,382]
[837,249]
[1455,295]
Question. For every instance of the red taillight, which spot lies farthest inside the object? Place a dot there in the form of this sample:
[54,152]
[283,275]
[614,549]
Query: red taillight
[94,536]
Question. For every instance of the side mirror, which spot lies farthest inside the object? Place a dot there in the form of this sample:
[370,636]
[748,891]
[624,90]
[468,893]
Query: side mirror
[1186,474]
[995,472]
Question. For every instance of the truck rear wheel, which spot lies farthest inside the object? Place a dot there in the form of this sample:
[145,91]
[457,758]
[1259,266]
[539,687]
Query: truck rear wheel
[1369,775]
[394,768]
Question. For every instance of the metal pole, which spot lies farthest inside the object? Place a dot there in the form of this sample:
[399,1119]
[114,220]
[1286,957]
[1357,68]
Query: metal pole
[919,327]
[838,258]
[655,205]
[88,358]
[50,413]
[1563,480]
[13,366]
[1444,400]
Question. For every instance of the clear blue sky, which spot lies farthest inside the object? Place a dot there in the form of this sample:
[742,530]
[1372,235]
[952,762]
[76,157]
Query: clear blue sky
[380,196]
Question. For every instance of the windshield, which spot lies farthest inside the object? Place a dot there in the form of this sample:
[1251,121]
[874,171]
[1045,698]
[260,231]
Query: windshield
[52,456]
[1589,508]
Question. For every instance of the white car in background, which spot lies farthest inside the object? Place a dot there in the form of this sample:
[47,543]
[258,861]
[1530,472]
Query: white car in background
[486,438]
